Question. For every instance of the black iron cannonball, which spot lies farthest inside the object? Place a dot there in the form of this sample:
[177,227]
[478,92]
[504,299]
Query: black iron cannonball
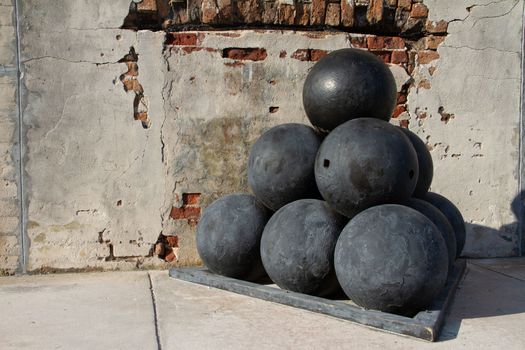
[441,222]
[365,162]
[348,84]
[229,236]
[453,215]
[391,258]
[297,247]
[281,165]
[426,166]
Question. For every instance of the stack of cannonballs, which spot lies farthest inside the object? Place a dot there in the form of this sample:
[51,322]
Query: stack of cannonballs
[343,207]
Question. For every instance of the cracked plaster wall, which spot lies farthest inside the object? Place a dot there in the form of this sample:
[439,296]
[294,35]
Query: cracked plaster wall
[100,188]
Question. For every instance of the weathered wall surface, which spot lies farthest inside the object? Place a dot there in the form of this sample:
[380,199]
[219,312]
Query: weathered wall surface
[106,191]
[10,240]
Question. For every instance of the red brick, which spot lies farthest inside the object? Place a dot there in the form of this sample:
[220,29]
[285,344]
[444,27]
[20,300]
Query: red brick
[383,55]
[309,54]
[401,98]
[359,42]
[209,11]
[181,39]
[190,49]
[316,55]
[171,256]
[439,27]
[399,57]
[333,14]
[394,43]
[424,57]
[185,213]
[173,241]
[375,42]
[406,4]
[347,13]
[374,14]
[147,5]
[398,110]
[286,14]
[432,42]
[245,54]
[191,198]
[419,11]
[318,12]
[302,13]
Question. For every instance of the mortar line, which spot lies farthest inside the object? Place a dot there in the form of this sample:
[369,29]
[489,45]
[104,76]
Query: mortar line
[23,234]
[156,320]
[521,218]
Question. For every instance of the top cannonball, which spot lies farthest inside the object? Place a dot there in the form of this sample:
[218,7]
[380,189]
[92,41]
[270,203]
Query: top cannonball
[348,84]
[281,165]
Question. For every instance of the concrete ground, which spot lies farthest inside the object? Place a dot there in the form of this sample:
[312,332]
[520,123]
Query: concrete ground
[149,310]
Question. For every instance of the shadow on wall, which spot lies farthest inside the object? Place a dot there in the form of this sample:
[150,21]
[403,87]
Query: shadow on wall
[510,233]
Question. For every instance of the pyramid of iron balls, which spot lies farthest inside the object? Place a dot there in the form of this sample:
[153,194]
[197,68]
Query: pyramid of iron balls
[342,206]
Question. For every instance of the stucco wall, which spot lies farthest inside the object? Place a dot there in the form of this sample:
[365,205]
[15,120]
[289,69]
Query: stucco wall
[102,192]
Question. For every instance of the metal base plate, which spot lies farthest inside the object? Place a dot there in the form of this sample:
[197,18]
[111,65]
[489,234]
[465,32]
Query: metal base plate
[425,325]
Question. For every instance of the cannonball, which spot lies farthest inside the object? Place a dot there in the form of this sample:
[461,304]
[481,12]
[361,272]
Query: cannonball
[229,236]
[365,162]
[441,222]
[348,84]
[391,258]
[281,165]
[426,166]
[453,215]
[297,247]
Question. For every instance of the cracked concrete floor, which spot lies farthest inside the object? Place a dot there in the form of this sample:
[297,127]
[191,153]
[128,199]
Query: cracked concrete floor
[149,310]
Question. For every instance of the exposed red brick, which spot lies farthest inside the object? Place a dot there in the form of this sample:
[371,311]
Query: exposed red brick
[316,55]
[245,54]
[432,42]
[359,42]
[301,55]
[286,14]
[406,4]
[318,12]
[439,27]
[398,110]
[173,241]
[333,14]
[209,11]
[249,11]
[374,14]
[399,57]
[226,11]
[309,54]
[383,55]
[394,43]
[427,56]
[384,42]
[181,39]
[185,213]
[347,13]
[171,256]
[375,42]
[190,49]
[302,13]
[270,12]
[147,5]
[419,10]
[191,199]
[401,98]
